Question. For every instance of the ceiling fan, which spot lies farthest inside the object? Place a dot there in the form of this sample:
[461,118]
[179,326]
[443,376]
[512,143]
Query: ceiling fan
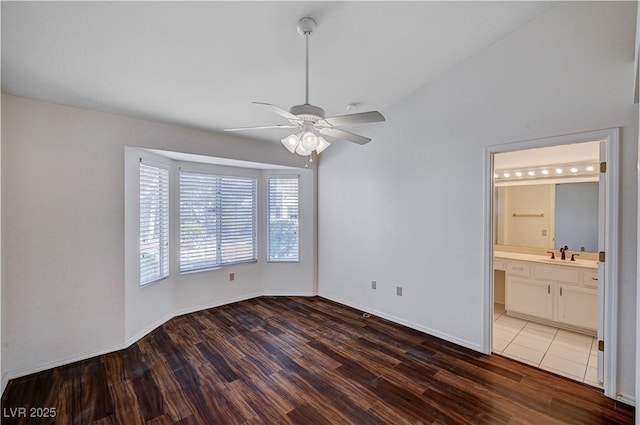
[309,120]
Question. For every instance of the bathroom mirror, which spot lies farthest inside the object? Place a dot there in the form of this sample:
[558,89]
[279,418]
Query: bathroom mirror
[548,216]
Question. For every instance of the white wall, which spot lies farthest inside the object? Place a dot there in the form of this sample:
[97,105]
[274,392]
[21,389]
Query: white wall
[637,98]
[407,209]
[3,381]
[63,206]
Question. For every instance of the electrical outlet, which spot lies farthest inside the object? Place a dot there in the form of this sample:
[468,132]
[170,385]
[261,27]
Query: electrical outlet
[544,232]
[232,276]
[373,284]
[399,291]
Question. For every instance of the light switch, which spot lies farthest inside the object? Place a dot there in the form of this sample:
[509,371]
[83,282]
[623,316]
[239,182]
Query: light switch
[544,232]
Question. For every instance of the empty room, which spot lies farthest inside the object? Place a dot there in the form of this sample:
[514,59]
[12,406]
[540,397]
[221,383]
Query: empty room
[310,212]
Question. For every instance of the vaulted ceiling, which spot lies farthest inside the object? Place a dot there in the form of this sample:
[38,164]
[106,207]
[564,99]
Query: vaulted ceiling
[201,64]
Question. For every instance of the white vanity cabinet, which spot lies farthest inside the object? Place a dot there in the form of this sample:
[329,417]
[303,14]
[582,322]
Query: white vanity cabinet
[529,296]
[577,306]
[560,295]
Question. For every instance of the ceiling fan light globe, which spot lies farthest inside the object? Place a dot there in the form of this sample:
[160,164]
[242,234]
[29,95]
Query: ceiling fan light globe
[291,142]
[322,145]
[300,150]
[309,141]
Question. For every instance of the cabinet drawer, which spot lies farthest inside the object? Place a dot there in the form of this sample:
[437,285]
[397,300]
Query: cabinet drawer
[590,279]
[498,265]
[520,269]
[562,274]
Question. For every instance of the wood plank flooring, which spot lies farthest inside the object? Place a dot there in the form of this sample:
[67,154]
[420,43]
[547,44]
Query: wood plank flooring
[294,360]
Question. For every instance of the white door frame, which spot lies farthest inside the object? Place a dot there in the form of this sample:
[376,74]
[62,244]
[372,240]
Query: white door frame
[611,137]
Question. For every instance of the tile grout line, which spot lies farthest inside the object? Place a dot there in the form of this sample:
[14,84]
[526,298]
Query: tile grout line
[548,347]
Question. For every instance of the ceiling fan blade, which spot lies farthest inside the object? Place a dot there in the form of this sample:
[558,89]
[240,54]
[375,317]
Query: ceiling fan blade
[260,127]
[344,135]
[361,118]
[288,115]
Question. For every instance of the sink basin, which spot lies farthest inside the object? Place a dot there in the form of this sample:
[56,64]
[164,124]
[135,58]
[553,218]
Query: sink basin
[560,262]
[544,259]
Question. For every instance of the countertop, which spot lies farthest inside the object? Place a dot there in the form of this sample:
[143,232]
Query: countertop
[586,264]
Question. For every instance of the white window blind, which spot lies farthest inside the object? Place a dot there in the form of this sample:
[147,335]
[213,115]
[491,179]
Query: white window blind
[218,216]
[154,223]
[283,219]
[238,219]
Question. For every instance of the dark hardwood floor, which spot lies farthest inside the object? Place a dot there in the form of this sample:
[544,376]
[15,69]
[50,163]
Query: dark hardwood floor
[294,360]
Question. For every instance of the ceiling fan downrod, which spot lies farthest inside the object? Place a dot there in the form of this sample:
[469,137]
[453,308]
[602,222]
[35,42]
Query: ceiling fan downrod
[306,26]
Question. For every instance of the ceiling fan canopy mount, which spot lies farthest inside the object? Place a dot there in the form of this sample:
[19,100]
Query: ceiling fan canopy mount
[306,26]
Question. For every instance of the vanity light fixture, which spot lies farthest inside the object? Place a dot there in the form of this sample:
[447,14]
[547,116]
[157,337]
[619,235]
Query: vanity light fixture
[584,170]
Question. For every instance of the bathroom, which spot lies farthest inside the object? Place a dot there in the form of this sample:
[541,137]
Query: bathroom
[547,214]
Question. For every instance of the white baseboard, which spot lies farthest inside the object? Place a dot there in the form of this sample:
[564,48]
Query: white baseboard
[5,381]
[626,399]
[13,374]
[289,294]
[429,331]
[347,303]
[137,337]
[216,304]
[409,324]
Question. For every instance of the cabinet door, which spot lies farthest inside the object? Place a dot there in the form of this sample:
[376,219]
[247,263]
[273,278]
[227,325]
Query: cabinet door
[578,306]
[528,296]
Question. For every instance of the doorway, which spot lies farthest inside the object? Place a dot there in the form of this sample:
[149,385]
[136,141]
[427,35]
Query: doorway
[566,299]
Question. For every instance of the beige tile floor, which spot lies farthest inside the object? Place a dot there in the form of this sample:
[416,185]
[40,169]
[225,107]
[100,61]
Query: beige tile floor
[570,354]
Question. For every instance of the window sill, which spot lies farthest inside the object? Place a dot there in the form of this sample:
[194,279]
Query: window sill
[283,261]
[154,281]
[221,267]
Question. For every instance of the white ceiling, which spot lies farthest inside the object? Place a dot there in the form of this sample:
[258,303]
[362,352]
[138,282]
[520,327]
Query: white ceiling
[201,64]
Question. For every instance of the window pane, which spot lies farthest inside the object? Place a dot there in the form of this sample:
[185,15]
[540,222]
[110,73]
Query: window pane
[154,223]
[238,219]
[283,219]
[199,223]
[217,220]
